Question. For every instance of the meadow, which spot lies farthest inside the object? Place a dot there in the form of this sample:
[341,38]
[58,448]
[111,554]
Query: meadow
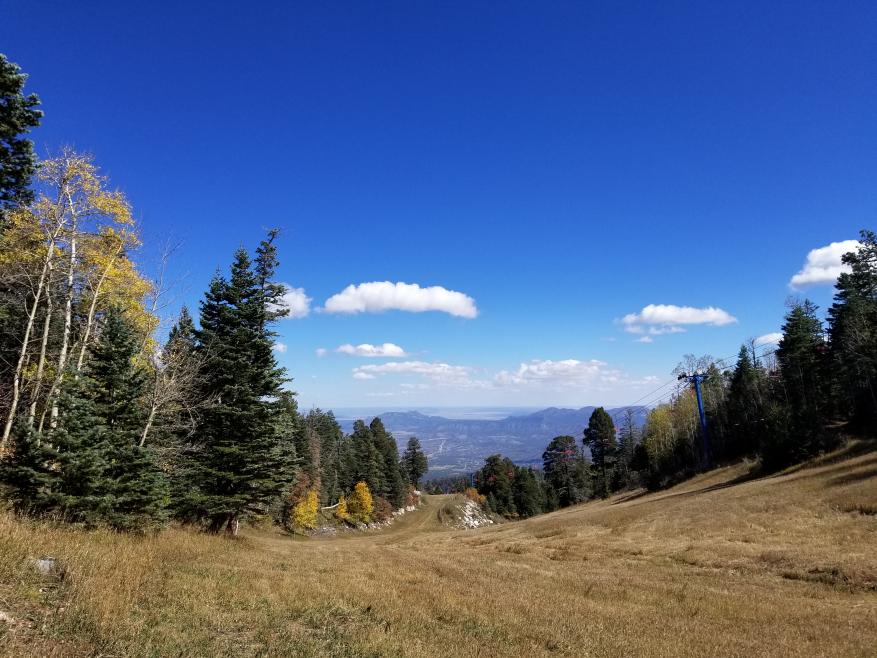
[726,564]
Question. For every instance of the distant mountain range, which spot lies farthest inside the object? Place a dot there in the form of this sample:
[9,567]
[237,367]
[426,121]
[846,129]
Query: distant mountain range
[460,445]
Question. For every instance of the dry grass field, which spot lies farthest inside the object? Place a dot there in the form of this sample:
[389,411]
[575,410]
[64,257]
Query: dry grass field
[721,565]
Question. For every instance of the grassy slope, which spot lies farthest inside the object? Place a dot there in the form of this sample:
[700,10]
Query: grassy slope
[782,566]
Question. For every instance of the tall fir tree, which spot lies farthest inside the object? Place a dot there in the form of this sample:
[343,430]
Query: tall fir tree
[853,335]
[414,462]
[565,471]
[600,438]
[393,480]
[90,469]
[19,113]
[240,464]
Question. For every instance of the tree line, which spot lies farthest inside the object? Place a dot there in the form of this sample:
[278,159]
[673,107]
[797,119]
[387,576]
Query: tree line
[105,426]
[777,405]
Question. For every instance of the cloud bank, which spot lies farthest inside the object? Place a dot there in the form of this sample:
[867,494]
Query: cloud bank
[823,265]
[378,296]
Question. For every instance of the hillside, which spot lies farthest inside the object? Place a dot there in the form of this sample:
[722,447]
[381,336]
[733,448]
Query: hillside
[459,445]
[719,566]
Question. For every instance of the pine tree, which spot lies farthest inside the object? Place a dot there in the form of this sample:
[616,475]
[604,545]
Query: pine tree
[240,464]
[853,334]
[799,429]
[600,438]
[18,114]
[565,471]
[366,463]
[393,480]
[744,405]
[528,495]
[136,493]
[27,472]
[629,436]
[414,462]
[100,476]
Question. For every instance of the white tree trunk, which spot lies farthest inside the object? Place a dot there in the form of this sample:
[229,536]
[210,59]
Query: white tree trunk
[31,316]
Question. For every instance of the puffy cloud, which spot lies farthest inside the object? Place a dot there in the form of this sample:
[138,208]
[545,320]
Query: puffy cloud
[658,319]
[321,352]
[823,265]
[441,373]
[387,350]
[378,296]
[769,339]
[279,347]
[295,299]
[567,372]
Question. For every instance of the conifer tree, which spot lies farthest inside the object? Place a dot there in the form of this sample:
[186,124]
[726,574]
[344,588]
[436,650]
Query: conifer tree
[240,464]
[414,462]
[528,495]
[18,114]
[853,334]
[90,469]
[366,463]
[27,472]
[565,471]
[802,357]
[393,481]
[600,438]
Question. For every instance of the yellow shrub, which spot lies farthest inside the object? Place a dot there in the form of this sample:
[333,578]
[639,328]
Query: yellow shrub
[304,514]
[361,506]
[341,511]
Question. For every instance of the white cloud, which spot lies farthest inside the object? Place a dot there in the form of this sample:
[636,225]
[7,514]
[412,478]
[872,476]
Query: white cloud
[387,350]
[823,265]
[378,296]
[658,319]
[645,339]
[585,379]
[279,347]
[295,299]
[440,373]
[321,352]
[769,339]
[567,372]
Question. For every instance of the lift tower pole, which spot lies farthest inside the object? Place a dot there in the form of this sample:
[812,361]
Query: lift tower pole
[697,380]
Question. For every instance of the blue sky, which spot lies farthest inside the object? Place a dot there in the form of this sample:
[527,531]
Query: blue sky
[560,165]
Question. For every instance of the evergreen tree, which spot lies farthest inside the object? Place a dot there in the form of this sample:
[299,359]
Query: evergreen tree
[27,472]
[18,114]
[240,464]
[853,334]
[801,356]
[90,469]
[565,471]
[393,481]
[134,488]
[744,405]
[366,463]
[600,438]
[495,480]
[528,495]
[414,462]
[628,439]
